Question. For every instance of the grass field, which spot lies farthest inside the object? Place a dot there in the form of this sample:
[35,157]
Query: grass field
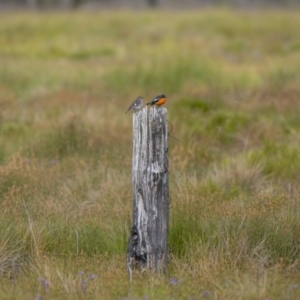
[233,84]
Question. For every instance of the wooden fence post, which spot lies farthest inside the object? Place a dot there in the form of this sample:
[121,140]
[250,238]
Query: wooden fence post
[147,245]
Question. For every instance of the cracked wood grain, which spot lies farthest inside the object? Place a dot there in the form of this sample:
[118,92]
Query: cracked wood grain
[147,245]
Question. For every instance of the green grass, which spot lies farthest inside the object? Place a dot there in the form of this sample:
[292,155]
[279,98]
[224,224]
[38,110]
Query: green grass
[232,83]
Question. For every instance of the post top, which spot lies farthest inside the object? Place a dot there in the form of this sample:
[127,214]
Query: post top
[153,110]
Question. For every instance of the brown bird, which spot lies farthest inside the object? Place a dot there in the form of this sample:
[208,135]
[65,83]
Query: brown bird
[137,104]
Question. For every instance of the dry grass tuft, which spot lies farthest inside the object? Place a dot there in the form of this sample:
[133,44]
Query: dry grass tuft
[237,172]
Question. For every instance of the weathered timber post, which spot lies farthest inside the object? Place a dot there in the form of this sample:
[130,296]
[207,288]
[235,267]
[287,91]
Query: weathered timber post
[147,245]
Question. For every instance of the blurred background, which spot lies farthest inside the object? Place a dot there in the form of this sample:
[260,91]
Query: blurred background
[94,4]
[68,72]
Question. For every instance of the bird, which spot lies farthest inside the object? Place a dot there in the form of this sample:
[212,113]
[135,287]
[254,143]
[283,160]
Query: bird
[158,100]
[136,104]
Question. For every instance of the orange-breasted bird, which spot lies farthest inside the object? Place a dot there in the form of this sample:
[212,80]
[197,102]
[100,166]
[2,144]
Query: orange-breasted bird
[136,104]
[158,100]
